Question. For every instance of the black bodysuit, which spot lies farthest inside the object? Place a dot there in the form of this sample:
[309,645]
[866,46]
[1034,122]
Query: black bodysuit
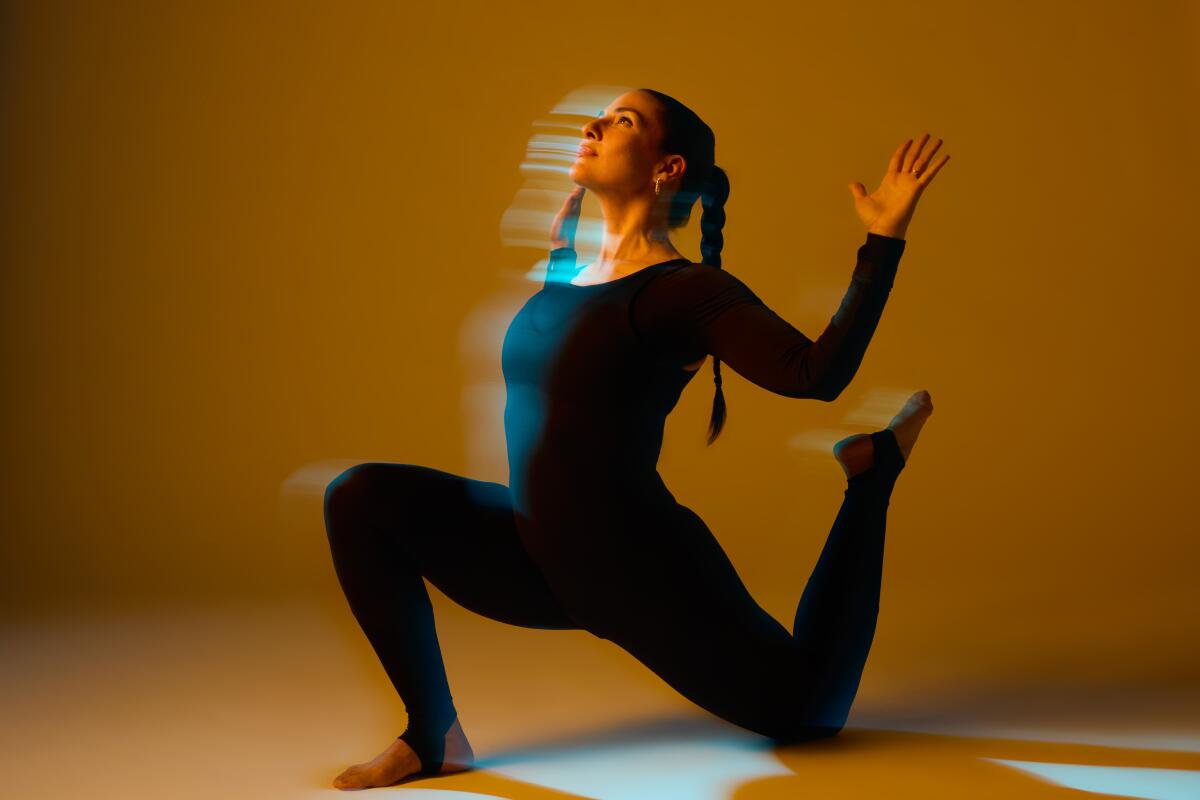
[587,535]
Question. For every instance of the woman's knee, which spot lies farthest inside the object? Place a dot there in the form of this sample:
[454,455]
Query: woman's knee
[363,495]
[798,712]
[376,495]
[800,732]
[350,487]
[801,708]
[780,716]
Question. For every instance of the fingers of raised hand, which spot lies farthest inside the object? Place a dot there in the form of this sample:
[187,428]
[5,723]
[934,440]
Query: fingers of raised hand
[915,160]
[918,158]
[927,174]
[898,156]
[913,153]
[571,205]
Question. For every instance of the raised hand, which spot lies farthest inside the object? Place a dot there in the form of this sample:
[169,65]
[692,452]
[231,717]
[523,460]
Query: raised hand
[562,230]
[889,209]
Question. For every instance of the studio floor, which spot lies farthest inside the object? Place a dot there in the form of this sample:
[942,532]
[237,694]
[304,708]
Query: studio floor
[272,701]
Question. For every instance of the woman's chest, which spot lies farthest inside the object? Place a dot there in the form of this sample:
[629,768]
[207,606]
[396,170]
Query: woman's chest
[563,343]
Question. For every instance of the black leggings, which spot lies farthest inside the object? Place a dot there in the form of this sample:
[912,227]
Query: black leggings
[695,625]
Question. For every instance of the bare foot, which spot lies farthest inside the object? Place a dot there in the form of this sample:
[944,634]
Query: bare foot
[399,761]
[856,453]
[908,421]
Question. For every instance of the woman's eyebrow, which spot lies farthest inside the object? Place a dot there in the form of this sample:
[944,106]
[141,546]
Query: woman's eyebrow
[600,113]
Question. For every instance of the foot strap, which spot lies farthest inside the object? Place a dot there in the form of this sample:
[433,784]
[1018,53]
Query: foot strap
[428,744]
[887,463]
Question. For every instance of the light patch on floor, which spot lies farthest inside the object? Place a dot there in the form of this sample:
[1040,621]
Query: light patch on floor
[1154,784]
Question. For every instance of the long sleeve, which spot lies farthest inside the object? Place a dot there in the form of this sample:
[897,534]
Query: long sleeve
[561,263]
[700,309]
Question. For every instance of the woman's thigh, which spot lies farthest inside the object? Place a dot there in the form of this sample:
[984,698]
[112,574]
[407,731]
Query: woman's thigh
[460,533]
[691,620]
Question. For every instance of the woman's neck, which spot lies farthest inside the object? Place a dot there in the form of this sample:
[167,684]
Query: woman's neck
[635,234]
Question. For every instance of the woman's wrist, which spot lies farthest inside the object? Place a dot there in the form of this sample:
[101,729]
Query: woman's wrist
[894,231]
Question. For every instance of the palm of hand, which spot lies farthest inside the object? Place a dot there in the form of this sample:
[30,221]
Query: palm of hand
[890,207]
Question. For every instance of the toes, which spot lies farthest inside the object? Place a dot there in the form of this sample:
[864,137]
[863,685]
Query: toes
[351,778]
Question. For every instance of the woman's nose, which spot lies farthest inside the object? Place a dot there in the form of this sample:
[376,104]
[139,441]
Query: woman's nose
[592,129]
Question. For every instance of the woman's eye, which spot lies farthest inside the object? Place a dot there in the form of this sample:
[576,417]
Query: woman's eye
[626,119]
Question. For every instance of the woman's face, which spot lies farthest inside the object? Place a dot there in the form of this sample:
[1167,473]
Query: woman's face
[620,148]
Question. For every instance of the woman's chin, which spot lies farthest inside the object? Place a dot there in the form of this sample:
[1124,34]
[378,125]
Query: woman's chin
[581,173]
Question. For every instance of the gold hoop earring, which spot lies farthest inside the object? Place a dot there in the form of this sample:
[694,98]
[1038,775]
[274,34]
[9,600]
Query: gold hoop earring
[656,189]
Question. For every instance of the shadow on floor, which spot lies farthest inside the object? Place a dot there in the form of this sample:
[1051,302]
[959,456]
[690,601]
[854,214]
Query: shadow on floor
[698,759]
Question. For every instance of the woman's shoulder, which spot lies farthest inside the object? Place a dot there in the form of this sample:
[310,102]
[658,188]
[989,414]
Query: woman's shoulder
[684,293]
[692,280]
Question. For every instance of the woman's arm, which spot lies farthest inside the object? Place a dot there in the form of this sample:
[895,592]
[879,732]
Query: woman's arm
[562,259]
[699,309]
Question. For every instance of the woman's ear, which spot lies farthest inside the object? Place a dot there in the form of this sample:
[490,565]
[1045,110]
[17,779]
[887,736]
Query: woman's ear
[673,167]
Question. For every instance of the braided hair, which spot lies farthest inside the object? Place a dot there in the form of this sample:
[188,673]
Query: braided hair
[684,133]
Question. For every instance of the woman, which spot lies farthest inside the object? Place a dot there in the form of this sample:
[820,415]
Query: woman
[587,536]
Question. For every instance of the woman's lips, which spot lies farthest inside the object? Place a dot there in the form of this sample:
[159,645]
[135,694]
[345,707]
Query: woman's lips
[584,150]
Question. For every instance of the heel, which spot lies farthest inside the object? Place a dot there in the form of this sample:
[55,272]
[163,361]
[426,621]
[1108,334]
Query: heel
[887,464]
[429,747]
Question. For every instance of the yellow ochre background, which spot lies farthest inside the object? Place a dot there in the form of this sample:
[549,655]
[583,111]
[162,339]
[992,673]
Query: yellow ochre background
[242,241]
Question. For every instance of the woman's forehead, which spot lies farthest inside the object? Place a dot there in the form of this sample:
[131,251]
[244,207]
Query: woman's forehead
[635,100]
